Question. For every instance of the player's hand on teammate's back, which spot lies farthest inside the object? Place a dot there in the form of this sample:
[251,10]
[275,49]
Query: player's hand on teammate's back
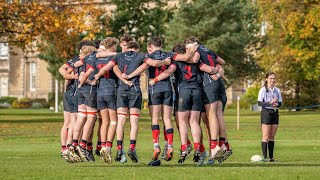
[92,82]
[125,76]
[96,77]
[151,82]
[74,76]
[129,83]
[214,69]
[167,61]
[215,76]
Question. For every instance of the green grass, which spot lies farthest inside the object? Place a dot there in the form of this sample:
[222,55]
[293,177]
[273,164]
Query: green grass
[30,149]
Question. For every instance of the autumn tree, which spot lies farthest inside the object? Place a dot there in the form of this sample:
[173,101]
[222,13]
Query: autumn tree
[49,27]
[292,47]
[228,28]
[140,18]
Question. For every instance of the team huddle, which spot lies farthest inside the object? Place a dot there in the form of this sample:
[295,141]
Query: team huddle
[104,84]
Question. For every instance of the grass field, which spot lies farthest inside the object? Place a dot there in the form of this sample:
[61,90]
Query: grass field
[30,149]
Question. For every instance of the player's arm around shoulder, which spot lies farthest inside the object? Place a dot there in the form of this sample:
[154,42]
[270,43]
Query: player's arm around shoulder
[157,63]
[164,75]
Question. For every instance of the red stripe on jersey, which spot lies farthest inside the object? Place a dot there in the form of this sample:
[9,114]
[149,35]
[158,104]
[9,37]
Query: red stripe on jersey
[91,67]
[82,60]
[174,57]
[201,64]
[68,64]
[114,61]
[210,59]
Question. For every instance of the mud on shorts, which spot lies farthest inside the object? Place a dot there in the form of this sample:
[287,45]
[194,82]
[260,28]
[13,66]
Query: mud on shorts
[129,99]
[189,99]
[160,98]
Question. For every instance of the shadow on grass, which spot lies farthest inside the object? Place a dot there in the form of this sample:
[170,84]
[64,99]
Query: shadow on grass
[204,166]
[31,121]
[31,114]
[49,120]
[289,113]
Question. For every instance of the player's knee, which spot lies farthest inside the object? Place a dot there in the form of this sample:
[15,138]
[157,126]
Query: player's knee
[82,114]
[113,123]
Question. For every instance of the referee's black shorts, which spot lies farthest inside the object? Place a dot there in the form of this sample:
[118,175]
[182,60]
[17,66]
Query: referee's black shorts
[269,116]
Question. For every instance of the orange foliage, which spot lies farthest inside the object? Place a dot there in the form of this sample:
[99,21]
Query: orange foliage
[60,22]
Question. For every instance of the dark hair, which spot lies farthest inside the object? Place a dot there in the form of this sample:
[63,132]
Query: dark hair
[85,43]
[266,82]
[191,40]
[126,38]
[156,41]
[133,45]
[97,43]
[179,48]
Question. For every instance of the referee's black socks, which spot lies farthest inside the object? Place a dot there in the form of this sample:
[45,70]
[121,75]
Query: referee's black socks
[264,147]
[270,148]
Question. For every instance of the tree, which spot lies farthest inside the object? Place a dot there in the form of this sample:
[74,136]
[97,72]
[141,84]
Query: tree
[292,47]
[54,26]
[140,18]
[227,27]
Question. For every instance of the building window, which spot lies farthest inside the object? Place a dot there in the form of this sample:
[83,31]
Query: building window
[4,50]
[33,72]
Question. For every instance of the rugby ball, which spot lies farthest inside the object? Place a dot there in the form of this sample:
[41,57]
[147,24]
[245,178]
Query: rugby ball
[256,158]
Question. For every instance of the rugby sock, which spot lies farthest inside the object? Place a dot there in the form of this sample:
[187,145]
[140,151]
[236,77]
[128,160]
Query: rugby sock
[103,144]
[75,142]
[196,146]
[213,143]
[155,135]
[63,147]
[221,141]
[83,143]
[264,146]
[270,148]
[184,147]
[119,145]
[133,144]
[109,144]
[68,145]
[98,147]
[202,148]
[165,136]
[89,146]
[227,146]
[188,142]
[169,133]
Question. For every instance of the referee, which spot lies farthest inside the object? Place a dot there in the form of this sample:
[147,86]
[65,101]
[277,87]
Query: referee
[270,99]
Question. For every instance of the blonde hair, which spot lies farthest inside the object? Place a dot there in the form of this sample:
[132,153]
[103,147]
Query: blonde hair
[109,42]
[85,50]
